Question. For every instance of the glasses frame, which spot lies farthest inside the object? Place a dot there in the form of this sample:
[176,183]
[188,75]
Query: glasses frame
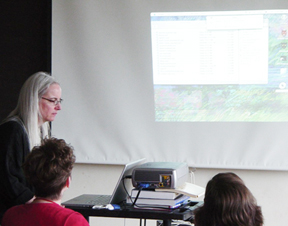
[55,102]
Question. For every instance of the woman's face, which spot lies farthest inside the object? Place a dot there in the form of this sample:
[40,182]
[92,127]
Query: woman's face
[48,108]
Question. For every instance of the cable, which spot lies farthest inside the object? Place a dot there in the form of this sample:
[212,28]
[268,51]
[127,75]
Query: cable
[123,179]
[134,202]
[138,193]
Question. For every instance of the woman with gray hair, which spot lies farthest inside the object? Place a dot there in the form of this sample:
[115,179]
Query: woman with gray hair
[38,103]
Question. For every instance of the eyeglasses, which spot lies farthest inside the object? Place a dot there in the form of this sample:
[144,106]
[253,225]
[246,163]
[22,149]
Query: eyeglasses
[54,100]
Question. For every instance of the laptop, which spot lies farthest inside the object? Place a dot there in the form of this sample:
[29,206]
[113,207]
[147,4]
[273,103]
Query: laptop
[119,194]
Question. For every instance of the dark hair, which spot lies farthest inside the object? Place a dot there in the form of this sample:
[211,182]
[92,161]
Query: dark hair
[228,202]
[47,167]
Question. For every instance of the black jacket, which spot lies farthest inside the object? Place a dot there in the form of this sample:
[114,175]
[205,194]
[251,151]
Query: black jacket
[14,146]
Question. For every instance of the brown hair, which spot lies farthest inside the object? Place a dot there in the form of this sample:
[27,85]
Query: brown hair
[228,202]
[47,167]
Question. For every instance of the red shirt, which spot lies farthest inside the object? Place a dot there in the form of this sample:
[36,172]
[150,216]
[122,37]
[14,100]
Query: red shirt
[42,214]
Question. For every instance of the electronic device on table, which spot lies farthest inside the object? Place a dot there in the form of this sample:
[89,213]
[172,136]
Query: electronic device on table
[155,175]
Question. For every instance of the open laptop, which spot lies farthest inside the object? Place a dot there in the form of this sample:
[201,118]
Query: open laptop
[119,194]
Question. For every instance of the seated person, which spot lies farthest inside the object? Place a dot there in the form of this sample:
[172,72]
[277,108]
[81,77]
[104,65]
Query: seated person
[48,168]
[228,202]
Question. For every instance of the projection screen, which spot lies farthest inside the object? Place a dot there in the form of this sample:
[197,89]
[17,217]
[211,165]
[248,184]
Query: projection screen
[202,82]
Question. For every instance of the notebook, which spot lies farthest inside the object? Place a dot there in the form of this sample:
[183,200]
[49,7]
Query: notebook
[119,194]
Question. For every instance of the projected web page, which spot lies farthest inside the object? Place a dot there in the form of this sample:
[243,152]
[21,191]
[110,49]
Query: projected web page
[220,66]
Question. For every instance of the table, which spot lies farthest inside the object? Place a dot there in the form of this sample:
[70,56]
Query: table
[184,212]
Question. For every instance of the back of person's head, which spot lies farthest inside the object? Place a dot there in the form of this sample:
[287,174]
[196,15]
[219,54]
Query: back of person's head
[228,202]
[28,105]
[48,167]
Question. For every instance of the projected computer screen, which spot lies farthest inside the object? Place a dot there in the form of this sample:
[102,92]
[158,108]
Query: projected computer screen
[203,82]
[220,66]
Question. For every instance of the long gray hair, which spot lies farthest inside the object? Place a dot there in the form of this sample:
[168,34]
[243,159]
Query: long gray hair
[27,108]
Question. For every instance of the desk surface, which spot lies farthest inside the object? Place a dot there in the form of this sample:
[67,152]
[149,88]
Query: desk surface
[127,211]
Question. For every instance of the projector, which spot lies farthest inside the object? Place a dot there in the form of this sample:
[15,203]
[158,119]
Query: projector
[152,175]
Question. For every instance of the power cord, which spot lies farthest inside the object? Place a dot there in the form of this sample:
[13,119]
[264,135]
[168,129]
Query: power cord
[123,182]
[138,193]
[192,179]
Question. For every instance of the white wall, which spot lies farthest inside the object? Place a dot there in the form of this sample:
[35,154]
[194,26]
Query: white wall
[268,187]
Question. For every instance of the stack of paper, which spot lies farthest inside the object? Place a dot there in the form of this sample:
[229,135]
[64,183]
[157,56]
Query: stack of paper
[166,198]
[157,199]
[187,188]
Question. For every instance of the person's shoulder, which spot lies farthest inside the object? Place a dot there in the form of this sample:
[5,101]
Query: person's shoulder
[67,217]
[11,126]
[75,218]
[12,209]
[66,211]
[11,213]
